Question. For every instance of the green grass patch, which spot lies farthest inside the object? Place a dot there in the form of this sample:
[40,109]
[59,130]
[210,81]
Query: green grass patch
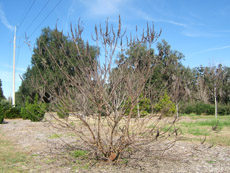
[81,161]
[218,124]
[79,153]
[222,123]
[198,132]
[216,130]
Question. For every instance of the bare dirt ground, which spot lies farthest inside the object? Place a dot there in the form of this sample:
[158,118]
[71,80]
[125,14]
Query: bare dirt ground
[49,148]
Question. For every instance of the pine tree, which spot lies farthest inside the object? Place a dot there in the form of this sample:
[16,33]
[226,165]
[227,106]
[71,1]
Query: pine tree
[1,92]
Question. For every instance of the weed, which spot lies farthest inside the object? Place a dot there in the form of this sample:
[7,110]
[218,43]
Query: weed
[124,161]
[211,161]
[79,153]
[55,136]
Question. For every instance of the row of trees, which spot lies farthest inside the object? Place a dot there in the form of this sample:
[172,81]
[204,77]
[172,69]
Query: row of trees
[201,84]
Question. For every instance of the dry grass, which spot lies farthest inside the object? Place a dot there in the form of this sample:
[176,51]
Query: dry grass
[11,160]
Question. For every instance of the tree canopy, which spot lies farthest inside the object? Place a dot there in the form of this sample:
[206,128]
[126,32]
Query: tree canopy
[53,52]
[1,92]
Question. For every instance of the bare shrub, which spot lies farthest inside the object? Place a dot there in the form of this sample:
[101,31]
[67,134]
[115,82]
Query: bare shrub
[95,92]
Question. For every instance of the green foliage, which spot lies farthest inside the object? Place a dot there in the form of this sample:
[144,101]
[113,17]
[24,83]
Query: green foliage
[165,106]
[53,43]
[6,105]
[7,111]
[205,109]
[63,112]
[13,112]
[199,108]
[1,115]
[223,109]
[33,111]
[144,106]
[1,92]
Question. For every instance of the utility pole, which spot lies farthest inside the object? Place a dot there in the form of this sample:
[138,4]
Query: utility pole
[13,101]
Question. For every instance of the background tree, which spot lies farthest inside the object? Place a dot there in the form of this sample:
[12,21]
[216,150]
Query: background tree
[42,69]
[1,92]
[214,79]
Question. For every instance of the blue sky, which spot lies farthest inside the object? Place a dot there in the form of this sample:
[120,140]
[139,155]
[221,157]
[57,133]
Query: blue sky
[198,29]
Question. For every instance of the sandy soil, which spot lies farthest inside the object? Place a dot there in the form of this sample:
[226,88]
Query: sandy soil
[49,153]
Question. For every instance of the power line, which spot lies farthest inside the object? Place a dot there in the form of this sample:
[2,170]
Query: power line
[26,9]
[38,15]
[18,53]
[20,45]
[45,18]
[26,14]
[29,26]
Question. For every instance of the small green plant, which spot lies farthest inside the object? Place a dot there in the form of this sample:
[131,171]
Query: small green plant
[165,106]
[8,111]
[12,112]
[211,161]
[224,109]
[79,153]
[5,104]
[1,115]
[144,106]
[125,161]
[55,136]
[63,114]
[80,157]
[33,111]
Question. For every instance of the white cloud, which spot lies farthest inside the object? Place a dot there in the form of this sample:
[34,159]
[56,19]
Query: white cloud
[172,22]
[5,21]
[199,34]
[211,49]
[145,16]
